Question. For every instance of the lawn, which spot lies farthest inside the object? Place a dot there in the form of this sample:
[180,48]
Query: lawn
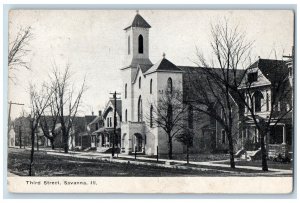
[196,157]
[57,165]
[53,165]
[257,163]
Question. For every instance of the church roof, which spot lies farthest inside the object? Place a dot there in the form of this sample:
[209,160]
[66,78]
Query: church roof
[141,61]
[138,21]
[163,65]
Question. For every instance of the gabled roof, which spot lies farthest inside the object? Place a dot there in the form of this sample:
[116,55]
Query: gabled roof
[163,65]
[97,119]
[273,70]
[110,107]
[138,21]
[143,68]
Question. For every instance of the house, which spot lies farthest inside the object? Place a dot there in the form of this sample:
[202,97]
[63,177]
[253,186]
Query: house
[93,128]
[78,128]
[105,134]
[11,137]
[22,131]
[269,84]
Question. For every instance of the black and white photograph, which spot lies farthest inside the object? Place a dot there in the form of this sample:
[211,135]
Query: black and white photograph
[179,94]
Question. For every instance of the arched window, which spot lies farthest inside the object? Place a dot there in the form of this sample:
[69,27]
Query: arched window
[126,115]
[128,45]
[140,110]
[140,81]
[141,44]
[257,101]
[191,117]
[151,86]
[170,85]
[268,101]
[151,116]
[125,90]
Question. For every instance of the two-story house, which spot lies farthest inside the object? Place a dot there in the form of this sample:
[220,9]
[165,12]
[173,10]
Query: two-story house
[268,91]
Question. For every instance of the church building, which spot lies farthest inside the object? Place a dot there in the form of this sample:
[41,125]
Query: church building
[143,85]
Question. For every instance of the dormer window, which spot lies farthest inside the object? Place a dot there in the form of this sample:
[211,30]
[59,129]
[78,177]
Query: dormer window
[252,77]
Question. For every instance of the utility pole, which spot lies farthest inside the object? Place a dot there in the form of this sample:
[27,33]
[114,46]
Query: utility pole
[9,120]
[115,122]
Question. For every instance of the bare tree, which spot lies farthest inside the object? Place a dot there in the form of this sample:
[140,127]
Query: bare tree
[168,114]
[38,103]
[231,52]
[49,123]
[212,82]
[18,50]
[66,101]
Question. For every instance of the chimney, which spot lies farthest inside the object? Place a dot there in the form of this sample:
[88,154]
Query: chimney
[100,113]
[92,113]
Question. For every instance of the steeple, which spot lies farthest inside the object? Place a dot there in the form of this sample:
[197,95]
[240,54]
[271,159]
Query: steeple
[137,42]
[138,21]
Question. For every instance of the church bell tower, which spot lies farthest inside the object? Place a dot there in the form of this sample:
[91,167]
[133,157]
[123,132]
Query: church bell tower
[137,42]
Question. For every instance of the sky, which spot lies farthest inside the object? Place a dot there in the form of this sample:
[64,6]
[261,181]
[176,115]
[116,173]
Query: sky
[93,43]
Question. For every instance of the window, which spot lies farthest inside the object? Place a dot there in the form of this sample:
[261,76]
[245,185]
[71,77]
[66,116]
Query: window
[110,123]
[169,85]
[257,101]
[140,81]
[190,117]
[125,90]
[126,115]
[140,110]
[268,102]
[107,120]
[223,134]
[151,116]
[151,86]
[252,77]
[141,44]
[246,107]
[128,45]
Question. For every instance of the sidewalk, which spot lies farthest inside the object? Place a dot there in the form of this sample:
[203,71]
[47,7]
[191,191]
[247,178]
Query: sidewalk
[166,163]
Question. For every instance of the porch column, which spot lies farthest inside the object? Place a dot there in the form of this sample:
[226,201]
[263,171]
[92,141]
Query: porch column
[283,135]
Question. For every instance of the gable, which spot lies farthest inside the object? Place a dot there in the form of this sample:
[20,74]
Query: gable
[261,79]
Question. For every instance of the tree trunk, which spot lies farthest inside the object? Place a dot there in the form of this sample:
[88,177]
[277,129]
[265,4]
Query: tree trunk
[37,142]
[231,153]
[170,147]
[187,154]
[65,140]
[52,143]
[263,152]
[32,150]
